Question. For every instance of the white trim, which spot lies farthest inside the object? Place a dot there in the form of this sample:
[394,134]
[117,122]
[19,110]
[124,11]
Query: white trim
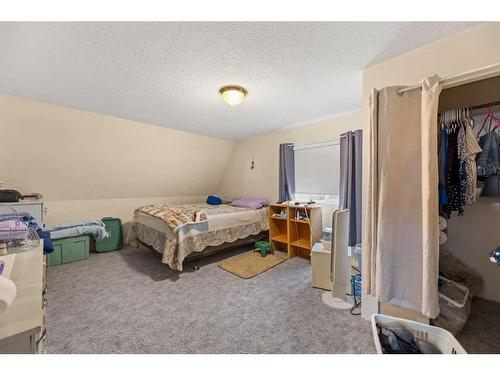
[314,120]
[446,80]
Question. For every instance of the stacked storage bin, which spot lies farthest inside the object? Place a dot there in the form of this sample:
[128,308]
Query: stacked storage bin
[70,249]
[114,241]
[454,305]
[73,249]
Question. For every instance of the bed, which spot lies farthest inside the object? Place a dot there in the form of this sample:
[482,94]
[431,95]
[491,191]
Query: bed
[224,226]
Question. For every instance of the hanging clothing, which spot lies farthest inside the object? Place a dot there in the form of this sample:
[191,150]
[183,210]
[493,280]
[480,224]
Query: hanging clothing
[462,156]
[472,149]
[442,157]
[489,164]
[488,161]
[453,176]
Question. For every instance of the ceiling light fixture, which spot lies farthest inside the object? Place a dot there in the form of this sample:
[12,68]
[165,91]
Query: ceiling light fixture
[233,94]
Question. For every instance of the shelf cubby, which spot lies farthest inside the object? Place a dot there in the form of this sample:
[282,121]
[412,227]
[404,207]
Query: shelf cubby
[294,236]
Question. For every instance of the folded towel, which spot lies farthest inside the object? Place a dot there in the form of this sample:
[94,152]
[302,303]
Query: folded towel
[13,230]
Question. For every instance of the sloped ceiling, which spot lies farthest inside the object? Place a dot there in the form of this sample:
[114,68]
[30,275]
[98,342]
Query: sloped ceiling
[67,154]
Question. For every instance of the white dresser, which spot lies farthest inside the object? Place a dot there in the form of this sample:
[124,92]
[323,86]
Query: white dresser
[22,325]
[34,207]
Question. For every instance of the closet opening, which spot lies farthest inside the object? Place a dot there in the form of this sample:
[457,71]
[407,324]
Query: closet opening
[469,203]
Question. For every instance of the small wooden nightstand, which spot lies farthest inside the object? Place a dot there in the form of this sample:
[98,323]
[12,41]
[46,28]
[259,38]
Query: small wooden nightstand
[295,237]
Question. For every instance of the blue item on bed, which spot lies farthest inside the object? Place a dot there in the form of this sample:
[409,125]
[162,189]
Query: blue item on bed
[214,200]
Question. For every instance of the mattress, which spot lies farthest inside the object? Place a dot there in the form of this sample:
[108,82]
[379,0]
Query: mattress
[225,224]
[219,217]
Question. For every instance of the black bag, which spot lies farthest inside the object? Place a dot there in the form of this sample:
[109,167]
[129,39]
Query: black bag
[10,196]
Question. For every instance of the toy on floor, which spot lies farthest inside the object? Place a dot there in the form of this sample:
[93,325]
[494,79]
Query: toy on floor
[264,248]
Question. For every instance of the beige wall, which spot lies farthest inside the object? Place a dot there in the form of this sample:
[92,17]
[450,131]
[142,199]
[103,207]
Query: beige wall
[241,181]
[471,49]
[88,165]
[263,180]
[472,236]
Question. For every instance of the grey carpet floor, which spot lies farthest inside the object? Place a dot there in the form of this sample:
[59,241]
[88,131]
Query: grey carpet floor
[129,302]
[481,334]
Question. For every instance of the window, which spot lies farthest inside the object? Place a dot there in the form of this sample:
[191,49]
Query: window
[317,171]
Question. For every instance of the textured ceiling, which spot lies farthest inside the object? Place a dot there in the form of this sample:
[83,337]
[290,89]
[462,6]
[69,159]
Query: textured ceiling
[169,73]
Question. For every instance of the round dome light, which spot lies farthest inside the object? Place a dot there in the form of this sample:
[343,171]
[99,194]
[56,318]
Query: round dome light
[233,94]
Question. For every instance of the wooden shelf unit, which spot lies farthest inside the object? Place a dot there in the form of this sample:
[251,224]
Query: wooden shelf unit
[295,237]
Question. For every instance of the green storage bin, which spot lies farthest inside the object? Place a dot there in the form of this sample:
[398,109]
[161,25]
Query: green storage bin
[67,250]
[114,241]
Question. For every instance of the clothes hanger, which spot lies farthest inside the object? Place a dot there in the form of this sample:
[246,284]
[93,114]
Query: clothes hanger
[460,118]
[454,123]
[450,121]
[497,125]
[463,117]
[490,116]
[470,119]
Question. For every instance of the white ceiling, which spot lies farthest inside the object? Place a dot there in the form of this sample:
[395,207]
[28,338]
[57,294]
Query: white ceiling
[169,73]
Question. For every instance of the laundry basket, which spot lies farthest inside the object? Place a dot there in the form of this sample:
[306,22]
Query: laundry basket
[443,339]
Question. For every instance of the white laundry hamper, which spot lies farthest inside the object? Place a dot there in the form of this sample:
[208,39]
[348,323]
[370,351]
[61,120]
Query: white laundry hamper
[443,339]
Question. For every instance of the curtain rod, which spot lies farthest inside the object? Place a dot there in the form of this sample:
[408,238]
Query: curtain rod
[332,142]
[451,77]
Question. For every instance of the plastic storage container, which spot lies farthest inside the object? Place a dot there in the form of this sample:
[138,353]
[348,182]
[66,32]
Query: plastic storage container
[326,238]
[443,339]
[67,250]
[114,241]
[358,254]
[454,306]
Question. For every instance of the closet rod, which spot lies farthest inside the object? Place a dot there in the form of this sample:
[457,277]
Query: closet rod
[451,77]
[481,106]
[474,107]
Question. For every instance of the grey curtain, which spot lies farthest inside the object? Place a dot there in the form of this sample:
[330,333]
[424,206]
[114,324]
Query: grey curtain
[287,172]
[351,146]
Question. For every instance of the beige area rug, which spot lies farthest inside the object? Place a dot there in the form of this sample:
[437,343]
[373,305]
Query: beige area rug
[250,264]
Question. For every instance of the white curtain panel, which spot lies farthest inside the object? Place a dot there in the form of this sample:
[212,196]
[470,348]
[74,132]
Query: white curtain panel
[401,226]
[369,237]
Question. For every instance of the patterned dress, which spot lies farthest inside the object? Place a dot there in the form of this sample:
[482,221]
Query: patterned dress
[453,176]
[462,157]
[472,149]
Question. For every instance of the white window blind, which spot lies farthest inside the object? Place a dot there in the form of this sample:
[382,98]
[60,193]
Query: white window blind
[317,168]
